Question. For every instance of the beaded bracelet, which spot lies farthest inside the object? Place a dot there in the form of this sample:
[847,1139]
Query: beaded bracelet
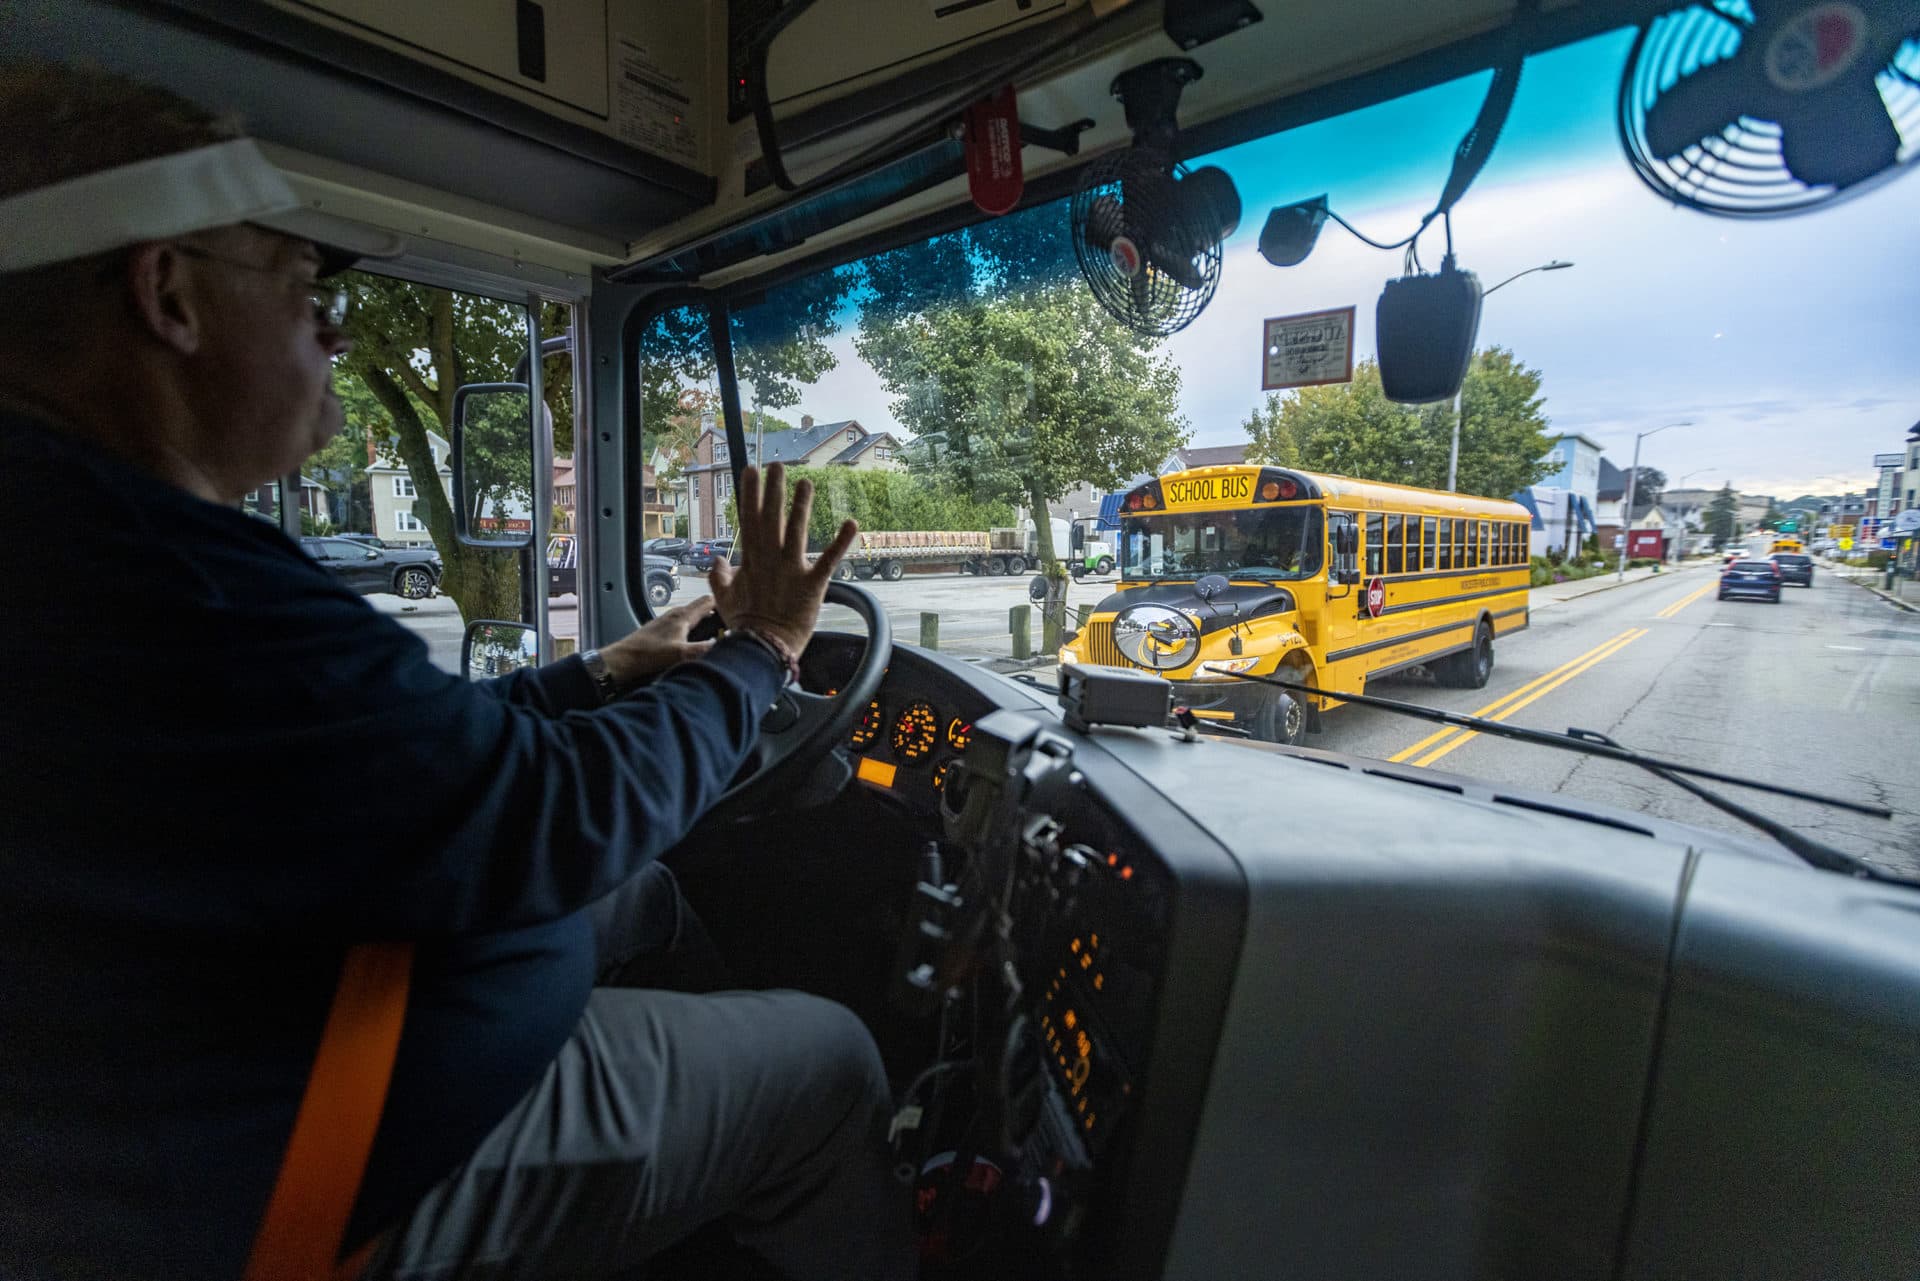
[774,646]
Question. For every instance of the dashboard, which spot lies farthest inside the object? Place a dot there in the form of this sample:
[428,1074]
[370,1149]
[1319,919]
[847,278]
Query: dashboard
[1244,1010]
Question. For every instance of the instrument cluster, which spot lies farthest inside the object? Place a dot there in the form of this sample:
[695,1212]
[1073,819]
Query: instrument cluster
[905,743]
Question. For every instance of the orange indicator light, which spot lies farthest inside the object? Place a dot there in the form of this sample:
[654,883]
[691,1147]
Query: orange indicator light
[1126,873]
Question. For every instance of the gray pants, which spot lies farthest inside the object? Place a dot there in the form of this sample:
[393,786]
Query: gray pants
[666,1111]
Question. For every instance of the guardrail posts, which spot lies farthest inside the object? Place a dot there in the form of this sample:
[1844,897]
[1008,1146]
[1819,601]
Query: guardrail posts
[1020,623]
[929,630]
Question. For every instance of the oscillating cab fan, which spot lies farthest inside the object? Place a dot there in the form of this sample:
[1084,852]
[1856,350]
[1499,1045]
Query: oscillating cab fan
[1763,107]
[1147,232]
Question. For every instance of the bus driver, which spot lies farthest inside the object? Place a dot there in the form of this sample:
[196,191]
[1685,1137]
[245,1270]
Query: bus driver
[165,348]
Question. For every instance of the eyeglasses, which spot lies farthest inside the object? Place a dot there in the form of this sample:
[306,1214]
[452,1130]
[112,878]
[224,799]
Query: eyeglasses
[329,300]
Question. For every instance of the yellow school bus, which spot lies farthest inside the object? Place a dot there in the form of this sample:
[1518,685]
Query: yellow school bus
[1787,544]
[1320,580]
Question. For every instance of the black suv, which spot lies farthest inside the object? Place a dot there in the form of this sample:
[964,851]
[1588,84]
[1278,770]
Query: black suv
[1795,567]
[412,572]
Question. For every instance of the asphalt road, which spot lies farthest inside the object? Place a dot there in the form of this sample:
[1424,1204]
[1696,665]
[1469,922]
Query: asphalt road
[1821,691]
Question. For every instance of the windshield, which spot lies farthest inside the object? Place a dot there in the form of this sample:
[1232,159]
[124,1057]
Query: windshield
[1275,543]
[1650,389]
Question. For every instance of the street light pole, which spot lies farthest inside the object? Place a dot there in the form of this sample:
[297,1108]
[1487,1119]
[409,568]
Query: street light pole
[1626,514]
[1459,414]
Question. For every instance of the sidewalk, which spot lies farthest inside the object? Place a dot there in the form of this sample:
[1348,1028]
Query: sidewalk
[1560,593]
[1905,594]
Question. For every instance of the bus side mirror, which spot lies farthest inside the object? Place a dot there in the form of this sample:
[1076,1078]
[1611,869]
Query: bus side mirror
[493,481]
[1347,540]
[492,647]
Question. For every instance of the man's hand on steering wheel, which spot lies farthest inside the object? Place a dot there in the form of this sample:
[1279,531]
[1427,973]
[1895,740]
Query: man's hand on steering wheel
[774,591]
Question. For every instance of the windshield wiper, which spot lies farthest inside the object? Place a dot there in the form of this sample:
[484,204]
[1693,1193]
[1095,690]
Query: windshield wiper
[1592,743]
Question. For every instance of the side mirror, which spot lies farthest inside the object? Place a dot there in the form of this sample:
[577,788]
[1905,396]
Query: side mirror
[493,481]
[1349,577]
[1210,586]
[372,554]
[1347,540]
[1037,588]
[494,648]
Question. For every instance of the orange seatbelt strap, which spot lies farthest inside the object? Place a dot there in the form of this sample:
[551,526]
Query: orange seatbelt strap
[326,1157]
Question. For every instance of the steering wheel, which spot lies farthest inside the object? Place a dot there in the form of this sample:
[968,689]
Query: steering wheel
[800,728]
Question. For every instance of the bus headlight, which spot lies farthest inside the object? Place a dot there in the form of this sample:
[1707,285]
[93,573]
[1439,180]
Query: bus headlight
[1156,637]
[1227,666]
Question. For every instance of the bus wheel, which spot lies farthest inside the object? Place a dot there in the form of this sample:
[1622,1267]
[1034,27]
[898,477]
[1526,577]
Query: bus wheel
[1469,669]
[1282,719]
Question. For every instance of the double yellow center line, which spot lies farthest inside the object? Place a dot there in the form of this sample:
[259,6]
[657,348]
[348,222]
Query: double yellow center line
[1451,737]
[1687,600]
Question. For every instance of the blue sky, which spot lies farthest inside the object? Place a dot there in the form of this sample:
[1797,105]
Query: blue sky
[1791,345]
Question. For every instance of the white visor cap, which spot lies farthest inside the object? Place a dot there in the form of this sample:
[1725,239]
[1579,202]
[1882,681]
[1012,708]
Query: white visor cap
[168,196]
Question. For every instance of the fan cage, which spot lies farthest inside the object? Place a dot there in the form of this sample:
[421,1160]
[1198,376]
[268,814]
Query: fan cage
[1739,173]
[1151,303]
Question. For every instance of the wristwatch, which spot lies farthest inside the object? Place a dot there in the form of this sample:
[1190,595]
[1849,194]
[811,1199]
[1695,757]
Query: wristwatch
[602,678]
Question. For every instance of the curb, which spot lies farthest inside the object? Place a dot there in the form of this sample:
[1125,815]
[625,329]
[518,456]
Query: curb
[1888,597]
[1595,591]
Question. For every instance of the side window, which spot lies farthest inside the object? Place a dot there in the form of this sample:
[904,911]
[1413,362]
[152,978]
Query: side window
[1446,544]
[1429,538]
[388,472]
[1396,546]
[1376,545]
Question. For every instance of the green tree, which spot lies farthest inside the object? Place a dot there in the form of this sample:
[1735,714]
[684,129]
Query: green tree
[1270,439]
[1018,398]
[1352,429]
[1650,483]
[1723,517]
[414,346]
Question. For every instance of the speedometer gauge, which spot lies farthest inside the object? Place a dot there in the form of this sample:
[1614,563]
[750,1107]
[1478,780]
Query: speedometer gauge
[959,734]
[867,728]
[915,732]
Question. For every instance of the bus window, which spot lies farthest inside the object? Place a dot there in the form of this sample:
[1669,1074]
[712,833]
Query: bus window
[1446,545]
[1459,544]
[1376,546]
[1396,546]
[1430,545]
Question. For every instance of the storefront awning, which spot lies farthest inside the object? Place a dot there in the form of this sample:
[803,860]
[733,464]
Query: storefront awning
[1525,498]
[1110,511]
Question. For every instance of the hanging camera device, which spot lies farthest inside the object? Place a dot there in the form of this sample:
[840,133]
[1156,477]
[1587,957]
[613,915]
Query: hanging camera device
[1424,327]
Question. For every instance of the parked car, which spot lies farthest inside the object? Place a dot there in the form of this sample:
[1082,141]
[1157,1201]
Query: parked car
[1795,567]
[371,540]
[1751,578]
[702,554]
[412,572]
[671,548]
[563,551]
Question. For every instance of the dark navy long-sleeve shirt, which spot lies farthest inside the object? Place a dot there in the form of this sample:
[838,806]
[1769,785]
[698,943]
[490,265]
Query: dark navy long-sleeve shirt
[221,769]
